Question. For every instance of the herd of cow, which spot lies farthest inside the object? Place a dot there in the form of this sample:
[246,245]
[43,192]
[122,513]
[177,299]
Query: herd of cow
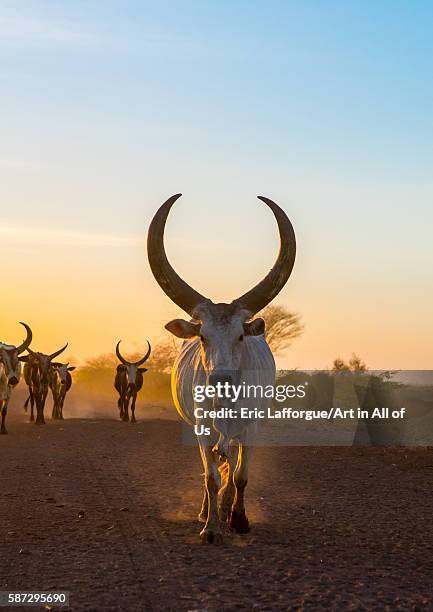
[222,343]
[41,372]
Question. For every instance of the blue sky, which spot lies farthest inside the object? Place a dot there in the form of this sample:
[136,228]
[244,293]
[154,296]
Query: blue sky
[327,107]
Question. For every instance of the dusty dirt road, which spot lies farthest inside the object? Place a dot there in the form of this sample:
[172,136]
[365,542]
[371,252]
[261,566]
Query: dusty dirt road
[337,528]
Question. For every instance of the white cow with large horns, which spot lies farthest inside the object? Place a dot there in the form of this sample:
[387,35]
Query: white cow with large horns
[223,344]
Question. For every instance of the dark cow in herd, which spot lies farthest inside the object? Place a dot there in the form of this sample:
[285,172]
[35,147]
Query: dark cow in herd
[128,382]
[60,383]
[37,374]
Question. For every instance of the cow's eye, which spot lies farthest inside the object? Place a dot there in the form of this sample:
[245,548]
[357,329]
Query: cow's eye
[241,337]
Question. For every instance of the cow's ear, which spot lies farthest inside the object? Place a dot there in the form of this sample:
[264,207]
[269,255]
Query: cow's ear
[24,357]
[183,329]
[71,368]
[256,327]
[142,369]
[121,367]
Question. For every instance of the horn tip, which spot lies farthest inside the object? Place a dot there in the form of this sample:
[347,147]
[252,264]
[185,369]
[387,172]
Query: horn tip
[173,199]
[264,199]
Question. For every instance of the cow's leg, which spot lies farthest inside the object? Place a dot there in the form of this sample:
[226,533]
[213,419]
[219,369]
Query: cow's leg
[59,406]
[40,405]
[32,408]
[54,413]
[202,516]
[44,399]
[32,404]
[204,511]
[134,398]
[126,407]
[3,410]
[238,520]
[211,532]
[60,413]
[228,490]
[121,402]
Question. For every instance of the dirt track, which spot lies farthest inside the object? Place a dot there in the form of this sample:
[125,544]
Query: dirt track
[340,528]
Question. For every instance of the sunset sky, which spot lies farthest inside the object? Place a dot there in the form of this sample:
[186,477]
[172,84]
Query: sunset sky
[108,108]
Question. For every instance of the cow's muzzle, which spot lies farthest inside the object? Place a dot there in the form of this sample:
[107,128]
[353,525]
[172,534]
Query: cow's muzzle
[13,380]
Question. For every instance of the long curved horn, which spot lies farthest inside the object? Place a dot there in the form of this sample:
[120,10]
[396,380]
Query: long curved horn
[25,345]
[146,357]
[265,291]
[170,282]
[119,356]
[58,352]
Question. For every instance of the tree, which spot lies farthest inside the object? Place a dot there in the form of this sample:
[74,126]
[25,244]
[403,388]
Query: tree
[97,373]
[282,327]
[339,366]
[163,355]
[355,365]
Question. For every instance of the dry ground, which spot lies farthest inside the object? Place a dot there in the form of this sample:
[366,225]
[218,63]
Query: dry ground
[336,528]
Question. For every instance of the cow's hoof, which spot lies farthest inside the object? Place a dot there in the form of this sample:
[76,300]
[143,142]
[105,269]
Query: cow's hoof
[208,536]
[3,432]
[238,522]
[32,419]
[133,421]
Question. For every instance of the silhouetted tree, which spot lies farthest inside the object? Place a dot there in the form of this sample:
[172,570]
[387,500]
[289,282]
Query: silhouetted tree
[163,355]
[355,365]
[282,327]
[339,366]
